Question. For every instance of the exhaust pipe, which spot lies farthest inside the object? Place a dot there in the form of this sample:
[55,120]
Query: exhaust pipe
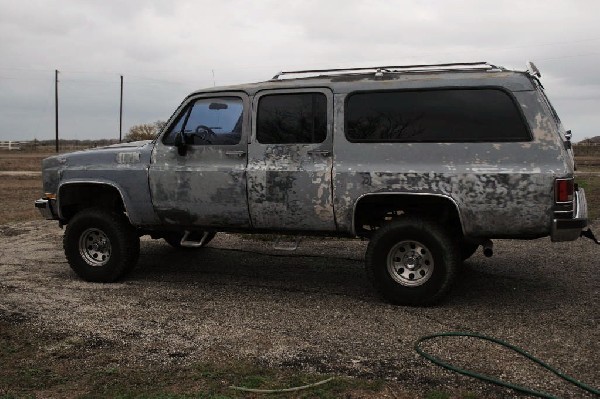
[488,248]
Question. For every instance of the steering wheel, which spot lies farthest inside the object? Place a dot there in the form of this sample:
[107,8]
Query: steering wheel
[204,133]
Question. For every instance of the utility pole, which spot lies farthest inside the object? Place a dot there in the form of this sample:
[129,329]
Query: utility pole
[121,112]
[56,105]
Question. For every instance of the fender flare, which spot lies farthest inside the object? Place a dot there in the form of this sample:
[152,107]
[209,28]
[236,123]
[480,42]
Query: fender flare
[444,196]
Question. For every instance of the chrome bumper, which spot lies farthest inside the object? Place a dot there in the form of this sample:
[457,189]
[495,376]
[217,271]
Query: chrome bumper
[46,208]
[570,229]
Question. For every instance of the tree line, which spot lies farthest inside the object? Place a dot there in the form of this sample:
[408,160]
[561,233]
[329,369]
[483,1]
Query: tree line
[144,131]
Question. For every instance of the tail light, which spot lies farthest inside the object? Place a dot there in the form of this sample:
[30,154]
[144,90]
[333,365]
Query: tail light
[563,190]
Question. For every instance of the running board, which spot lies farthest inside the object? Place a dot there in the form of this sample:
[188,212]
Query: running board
[190,243]
[281,245]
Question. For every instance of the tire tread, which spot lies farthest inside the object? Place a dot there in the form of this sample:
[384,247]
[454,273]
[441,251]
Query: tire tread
[408,296]
[126,248]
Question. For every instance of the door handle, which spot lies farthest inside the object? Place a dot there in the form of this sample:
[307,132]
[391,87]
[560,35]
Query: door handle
[235,153]
[323,153]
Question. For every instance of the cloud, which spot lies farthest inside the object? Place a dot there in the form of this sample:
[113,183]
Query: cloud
[166,49]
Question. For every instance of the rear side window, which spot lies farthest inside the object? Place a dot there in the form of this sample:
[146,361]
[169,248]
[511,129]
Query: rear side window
[292,118]
[450,115]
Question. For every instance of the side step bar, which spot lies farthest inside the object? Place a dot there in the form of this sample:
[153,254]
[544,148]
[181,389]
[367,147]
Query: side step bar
[185,242]
[282,245]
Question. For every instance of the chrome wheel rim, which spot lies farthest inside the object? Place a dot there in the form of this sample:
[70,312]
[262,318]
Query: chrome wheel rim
[410,263]
[94,247]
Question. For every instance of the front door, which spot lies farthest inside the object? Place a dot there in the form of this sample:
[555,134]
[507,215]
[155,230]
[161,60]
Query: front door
[205,186]
[290,160]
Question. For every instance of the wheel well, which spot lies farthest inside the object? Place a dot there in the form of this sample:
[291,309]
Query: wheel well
[75,197]
[371,211]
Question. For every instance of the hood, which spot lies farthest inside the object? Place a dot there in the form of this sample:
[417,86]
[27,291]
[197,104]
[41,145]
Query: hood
[117,154]
[140,143]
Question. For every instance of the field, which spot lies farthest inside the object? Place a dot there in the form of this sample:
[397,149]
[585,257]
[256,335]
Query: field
[19,190]
[189,325]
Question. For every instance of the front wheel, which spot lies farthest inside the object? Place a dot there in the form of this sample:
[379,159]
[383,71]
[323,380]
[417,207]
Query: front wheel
[100,245]
[412,261]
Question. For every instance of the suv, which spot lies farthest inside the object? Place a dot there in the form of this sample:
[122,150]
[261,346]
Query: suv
[428,162]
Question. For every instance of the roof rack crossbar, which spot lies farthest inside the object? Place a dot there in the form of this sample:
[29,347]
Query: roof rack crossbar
[389,68]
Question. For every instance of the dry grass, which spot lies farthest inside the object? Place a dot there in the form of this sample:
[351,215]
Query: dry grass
[18,194]
[19,161]
[591,185]
[588,162]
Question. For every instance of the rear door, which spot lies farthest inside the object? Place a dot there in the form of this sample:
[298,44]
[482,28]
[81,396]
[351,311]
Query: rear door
[290,160]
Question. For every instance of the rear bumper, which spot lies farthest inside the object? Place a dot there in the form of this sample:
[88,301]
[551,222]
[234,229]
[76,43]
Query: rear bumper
[570,229]
[47,208]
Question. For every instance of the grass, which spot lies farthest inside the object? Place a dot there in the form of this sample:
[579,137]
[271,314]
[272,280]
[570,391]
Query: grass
[591,185]
[18,194]
[33,369]
[36,371]
[20,161]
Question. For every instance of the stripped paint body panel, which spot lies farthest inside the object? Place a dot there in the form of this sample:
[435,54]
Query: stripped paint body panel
[499,189]
[290,189]
[206,186]
[123,167]
[289,185]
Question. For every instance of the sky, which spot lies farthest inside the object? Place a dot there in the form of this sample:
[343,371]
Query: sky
[167,49]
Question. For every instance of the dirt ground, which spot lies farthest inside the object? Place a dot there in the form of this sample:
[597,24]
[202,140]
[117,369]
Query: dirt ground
[311,311]
[18,194]
[239,312]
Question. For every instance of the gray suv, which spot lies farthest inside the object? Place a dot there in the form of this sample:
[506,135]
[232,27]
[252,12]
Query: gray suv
[427,162]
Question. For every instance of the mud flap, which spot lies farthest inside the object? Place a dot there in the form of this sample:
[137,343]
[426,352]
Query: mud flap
[588,234]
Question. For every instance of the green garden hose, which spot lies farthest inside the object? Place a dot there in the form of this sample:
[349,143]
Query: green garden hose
[493,380]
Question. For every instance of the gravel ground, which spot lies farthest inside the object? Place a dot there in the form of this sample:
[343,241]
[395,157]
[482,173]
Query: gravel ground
[313,309]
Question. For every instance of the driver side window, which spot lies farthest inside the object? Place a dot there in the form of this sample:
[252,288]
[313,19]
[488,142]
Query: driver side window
[209,121]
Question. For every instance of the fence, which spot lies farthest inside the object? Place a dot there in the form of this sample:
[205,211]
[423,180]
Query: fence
[10,145]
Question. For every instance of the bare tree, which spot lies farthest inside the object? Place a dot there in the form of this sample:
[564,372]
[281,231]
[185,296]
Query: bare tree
[145,131]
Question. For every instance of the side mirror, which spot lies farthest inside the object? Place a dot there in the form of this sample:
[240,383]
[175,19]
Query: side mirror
[180,144]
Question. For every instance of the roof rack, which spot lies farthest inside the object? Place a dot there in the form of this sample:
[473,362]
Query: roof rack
[400,68]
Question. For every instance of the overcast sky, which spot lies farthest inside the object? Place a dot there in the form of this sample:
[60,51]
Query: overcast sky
[166,49]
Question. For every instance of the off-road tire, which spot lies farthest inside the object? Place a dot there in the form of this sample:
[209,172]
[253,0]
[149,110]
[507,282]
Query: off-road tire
[441,253]
[174,240]
[123,243]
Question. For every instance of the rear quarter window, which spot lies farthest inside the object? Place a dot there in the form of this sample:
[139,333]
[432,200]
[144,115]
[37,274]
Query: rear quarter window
[448,115]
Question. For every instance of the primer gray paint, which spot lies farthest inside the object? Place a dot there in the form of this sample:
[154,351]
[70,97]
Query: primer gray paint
[500,189]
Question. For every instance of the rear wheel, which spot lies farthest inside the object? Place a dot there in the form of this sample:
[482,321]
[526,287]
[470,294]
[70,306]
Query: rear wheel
[101,245]
[412,261]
